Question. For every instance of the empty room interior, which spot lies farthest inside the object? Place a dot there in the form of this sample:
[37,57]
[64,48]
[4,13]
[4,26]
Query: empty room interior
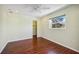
[39,29]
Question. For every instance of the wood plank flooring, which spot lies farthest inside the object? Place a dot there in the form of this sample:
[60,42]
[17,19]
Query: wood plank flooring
[43,46]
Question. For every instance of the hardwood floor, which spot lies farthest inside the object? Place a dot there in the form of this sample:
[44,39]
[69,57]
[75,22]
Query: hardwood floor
[43,46]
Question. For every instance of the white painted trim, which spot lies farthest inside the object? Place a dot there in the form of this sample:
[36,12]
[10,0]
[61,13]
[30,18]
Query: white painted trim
[3,47]
[63,45]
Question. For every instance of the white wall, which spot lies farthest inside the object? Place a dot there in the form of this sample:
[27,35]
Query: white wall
[69,36]
[18,27]
[13,27]
[3,40]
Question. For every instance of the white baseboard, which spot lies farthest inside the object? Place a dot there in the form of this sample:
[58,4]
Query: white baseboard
[3,47]
[63,45]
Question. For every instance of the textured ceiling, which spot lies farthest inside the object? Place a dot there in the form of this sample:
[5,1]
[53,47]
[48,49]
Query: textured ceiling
[33,10]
